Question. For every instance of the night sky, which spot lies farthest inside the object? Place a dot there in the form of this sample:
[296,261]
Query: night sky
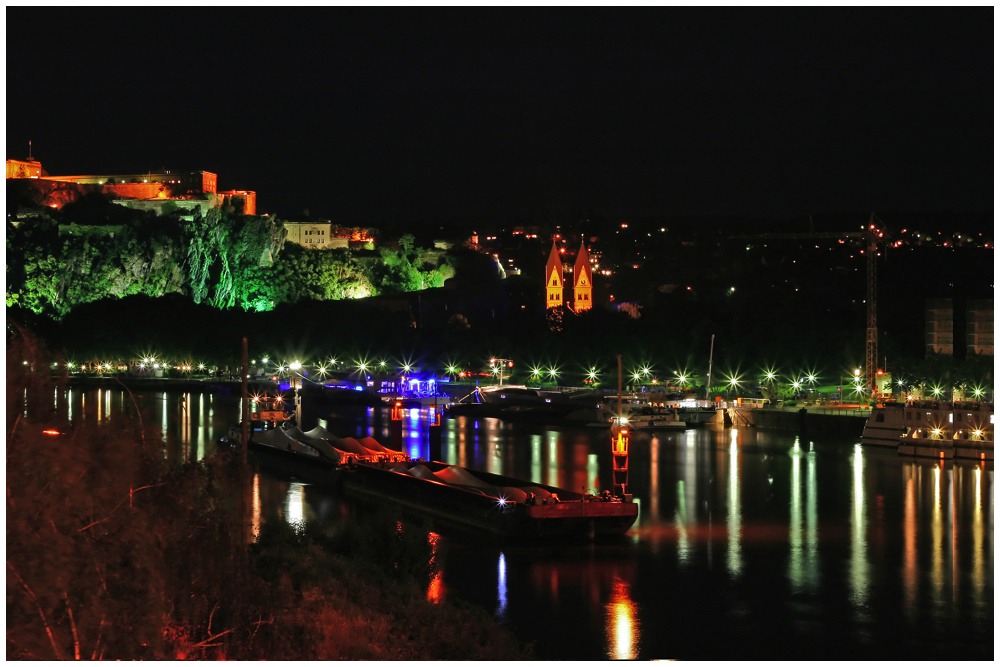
[374,115]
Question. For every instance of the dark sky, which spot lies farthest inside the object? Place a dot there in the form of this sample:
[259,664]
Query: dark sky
[407,114]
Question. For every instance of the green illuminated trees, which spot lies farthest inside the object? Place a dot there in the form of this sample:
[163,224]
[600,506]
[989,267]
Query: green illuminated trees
[218,259]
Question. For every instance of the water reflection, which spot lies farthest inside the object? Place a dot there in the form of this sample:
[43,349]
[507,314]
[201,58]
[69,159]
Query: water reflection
[747,532]
[622,624]
[802,533]
[501,586]
[734,516]
[859,529]
[255,509]
[294,512]
[435,588]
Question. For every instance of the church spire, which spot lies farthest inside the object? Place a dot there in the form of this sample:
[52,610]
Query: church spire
[554,278]
[583,280]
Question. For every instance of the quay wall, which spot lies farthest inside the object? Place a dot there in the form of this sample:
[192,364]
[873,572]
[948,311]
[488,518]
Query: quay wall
[800,420]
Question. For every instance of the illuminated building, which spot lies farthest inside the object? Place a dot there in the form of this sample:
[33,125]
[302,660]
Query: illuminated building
[554,279]
[583,281]
[157,192]
[979,327]
[947,324]
[322,234]
[29,168]
[940,335]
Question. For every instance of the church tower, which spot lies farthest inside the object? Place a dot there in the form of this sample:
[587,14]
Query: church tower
[554,279]
[583,281]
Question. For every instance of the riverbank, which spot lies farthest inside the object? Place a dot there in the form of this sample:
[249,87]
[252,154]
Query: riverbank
[844,419]
[803,420]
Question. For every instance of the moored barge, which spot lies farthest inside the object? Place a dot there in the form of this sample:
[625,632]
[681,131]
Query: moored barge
[493,504]
[462,498]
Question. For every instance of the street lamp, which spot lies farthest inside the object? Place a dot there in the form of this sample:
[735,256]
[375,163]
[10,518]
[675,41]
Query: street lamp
[497,365]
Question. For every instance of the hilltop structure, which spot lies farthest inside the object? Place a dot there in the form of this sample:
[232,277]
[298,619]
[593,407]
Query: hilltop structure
[157,192]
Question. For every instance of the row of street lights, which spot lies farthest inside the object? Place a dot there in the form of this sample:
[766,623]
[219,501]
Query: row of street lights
[768,379]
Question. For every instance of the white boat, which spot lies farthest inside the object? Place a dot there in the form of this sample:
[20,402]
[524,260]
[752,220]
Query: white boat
[973,434]
[653,418]
[884,427]
[943,430]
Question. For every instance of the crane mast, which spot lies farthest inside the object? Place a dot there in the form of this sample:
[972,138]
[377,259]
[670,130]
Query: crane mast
[872,235]
[871,338]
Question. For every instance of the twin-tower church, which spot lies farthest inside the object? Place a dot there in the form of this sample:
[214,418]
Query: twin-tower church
[583,281]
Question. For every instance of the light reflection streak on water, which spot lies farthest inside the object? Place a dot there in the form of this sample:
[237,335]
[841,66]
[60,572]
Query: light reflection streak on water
[536,456]
[295,506]
[450,443]
[953,515]
[163,413]
[435,588]
[859,575]
[203,423]
[734,519]
[654,478]
[69,404]
[937,538]
[413,431]
[255,509]
[910,571]
[501,586]
[621,623]
[795,528]
[812,519]
[494,447]
[553,438]
[681,519]
[593,473]
[183,414]
[689,498]
[978,562]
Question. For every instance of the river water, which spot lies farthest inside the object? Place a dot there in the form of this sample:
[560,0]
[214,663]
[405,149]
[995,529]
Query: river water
[750,544]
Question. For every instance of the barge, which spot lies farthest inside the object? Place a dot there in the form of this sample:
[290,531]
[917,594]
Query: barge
[496,505]
[462,498]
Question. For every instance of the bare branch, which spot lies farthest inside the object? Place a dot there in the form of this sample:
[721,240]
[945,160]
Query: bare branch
[131,493]
[72,625]
[207,642]
[100,638]
[38,606]
[13,428]
[135,405]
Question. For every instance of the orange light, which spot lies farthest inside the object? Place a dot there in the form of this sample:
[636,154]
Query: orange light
[51,432]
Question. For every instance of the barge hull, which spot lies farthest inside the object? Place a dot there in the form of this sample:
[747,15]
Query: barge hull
[472,510]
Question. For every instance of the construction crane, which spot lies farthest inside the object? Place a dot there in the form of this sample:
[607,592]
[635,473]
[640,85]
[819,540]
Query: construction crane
[872,236]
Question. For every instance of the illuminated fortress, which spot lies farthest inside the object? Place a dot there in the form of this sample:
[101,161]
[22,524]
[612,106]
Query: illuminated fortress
[149,191]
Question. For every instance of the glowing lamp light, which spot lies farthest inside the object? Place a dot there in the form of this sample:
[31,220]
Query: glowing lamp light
[51,432]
